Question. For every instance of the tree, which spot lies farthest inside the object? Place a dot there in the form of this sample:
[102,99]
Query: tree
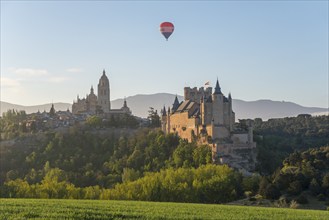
[154,118]
[251,183]
[54,184]
[94,121]
[263,185]
[315,187]
[202,155]
[272,192]
[183,154]
[325,182]
[130,175]
[295,188]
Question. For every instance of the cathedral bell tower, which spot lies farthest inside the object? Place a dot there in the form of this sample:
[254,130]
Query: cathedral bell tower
[104,93]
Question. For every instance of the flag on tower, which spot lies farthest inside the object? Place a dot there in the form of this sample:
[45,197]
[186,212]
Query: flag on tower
[207,83]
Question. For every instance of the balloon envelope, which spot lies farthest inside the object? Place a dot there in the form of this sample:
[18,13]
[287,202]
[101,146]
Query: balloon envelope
[166,29]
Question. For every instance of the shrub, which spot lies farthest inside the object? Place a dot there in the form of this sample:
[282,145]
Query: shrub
[294,204]
[284,199]
[248,194]
[295,188]
[272,192]
[282,202]
[321,197]
[302,199]
[314,187]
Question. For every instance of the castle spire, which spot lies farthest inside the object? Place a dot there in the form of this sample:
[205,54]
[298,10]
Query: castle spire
[217,88]
[164,112]
[175,105]
[103,72]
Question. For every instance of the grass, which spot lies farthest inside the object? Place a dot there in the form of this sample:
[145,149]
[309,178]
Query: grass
[100,209]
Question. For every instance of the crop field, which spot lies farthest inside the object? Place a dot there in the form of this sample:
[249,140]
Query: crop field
[100,209]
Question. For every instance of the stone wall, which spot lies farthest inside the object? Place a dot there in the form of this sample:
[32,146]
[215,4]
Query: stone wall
[196,94]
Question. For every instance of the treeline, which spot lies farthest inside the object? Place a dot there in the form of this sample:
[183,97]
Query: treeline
[146,164]
[301,172]
[128,121]
[206,184]
[300,175]
[91,159]
[277,138]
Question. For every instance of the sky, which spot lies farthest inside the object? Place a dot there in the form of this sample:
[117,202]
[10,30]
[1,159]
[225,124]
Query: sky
[53,51]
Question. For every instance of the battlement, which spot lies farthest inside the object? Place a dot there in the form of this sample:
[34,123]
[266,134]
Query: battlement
[195,94]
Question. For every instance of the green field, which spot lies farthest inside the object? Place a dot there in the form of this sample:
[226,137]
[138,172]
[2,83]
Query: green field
[96,209]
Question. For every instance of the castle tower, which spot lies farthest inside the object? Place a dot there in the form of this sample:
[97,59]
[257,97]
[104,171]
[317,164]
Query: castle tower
[218,107]
[231,113]
[104,93]
[168,121]
[164,119]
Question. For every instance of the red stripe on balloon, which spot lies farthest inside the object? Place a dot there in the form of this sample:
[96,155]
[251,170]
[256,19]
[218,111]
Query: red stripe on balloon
[166,24]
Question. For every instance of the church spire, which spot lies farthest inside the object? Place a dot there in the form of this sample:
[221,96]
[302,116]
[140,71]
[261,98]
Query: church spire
[91,90]
[125,103]
[217,88]
[103,72]
[52,110]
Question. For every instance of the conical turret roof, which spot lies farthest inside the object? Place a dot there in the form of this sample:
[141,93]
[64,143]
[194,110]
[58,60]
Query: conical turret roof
[217,88]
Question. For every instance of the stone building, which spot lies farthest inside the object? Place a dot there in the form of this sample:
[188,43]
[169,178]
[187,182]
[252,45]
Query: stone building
[88,104]
[101,105]
[208,118]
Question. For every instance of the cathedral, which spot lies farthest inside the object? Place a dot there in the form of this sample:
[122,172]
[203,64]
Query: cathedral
[101,105]
[207,117]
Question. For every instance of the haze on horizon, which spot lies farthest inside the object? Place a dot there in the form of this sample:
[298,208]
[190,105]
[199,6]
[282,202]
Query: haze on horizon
[53,51]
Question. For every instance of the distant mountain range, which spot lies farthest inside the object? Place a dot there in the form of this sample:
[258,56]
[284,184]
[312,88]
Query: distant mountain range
[140,104]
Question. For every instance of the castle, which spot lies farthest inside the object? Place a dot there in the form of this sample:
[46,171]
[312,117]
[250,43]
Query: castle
[207,117]
[101,105]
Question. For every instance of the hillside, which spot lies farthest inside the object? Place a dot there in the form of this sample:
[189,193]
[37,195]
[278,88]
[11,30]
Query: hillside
[264,109]
[59,106]
[140,104]
[267,109]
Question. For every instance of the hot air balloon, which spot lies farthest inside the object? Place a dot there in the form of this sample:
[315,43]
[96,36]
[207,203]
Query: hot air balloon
[166,29]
